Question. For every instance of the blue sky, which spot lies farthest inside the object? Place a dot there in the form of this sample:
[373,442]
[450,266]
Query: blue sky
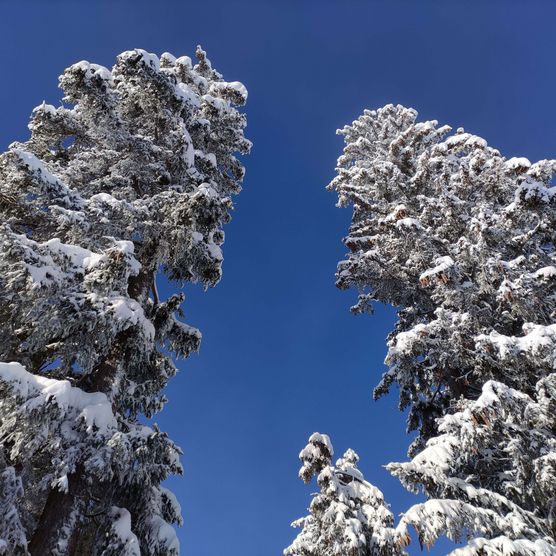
[281,355]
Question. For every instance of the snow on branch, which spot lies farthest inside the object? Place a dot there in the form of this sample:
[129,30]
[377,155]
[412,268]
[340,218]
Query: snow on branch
[93,410]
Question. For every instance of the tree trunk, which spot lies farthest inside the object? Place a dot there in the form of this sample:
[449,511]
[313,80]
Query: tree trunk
[56,515]
[59,506]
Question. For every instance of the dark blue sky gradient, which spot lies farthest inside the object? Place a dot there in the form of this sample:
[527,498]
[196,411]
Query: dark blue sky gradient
[281,355]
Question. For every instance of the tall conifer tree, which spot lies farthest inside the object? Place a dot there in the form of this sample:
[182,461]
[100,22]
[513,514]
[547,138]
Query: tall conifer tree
[132,176]
[462,242]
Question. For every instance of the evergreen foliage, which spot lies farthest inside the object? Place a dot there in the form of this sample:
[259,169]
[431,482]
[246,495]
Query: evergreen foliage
[348,517]
[461,241]
[132,175]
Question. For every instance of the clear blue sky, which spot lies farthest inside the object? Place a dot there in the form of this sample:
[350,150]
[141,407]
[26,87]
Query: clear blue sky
[281,355]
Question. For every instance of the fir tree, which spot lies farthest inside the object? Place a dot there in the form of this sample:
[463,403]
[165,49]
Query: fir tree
[133,175]
[461,241]
[348,517]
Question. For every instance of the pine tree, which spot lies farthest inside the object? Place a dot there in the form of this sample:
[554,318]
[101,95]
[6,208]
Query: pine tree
[461,241]
[132,176]
[348,517]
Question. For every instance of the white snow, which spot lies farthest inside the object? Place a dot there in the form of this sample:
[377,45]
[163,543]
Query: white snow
[126,311]
[437,455]
[538,340]
[94,70]
[149,59]
[79,256]
[206,190]
[80,259]
[516,163]
[546,272]
[323,439]
[93,408]
[504,545]
[121,528]
[405,341]
[443,264]
[46,108]
[186,94]
[169,57]
[215,251]
[163,535]
[184,61]
[38,168]
[234,85]
[218,103]
[172,499]
[465,140]
[408,223]
[531,190]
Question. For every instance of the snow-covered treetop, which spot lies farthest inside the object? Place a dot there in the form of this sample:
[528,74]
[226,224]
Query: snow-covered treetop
[315,456]
[349,516]
[460,240]
[135,176]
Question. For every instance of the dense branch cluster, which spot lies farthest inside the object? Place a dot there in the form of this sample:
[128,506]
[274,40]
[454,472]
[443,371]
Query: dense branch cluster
[133,175]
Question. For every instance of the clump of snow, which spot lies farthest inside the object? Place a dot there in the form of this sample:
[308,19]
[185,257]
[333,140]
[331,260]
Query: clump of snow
[464,140]
[405,341]
[443,266]
[217,103]
[209,157]
[504,545]
[77,259]
[518,163]
[319,438]
[215,251]
[121,529]
[235,86]
[39,169]
[126,311]
[94,409]
[437,455]
[531,190]
[539,340]
[172,500]
[187,95]
[45,108]
[163,535]
[408,223]
[168,57]
[546,272]
[147,58]
[93,70]
[205,190]
[184,61]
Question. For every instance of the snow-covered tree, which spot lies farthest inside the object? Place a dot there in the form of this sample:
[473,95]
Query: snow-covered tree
[348,517]
[461,241]
[132,176]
